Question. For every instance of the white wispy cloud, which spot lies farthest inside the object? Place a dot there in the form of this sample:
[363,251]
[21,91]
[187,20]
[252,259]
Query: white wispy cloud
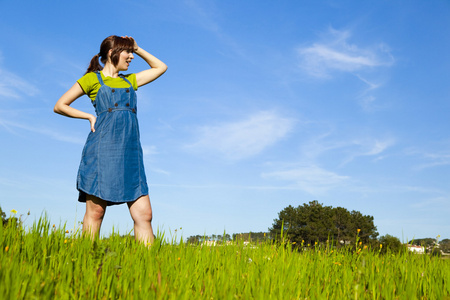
[435,160]
[346,149]
[368,147]
[149,150]
[49,132]
[311,179]
[439,156]
[244,138]
[14,86]
[366,99]
[336,53]
[439,202]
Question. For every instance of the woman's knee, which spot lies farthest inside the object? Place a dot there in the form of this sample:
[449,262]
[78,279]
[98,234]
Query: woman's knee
[96,212]
[95,208]
[143,216]
[141,210]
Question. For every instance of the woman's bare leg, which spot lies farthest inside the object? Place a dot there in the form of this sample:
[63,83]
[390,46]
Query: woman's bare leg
[95,211]
[141,212]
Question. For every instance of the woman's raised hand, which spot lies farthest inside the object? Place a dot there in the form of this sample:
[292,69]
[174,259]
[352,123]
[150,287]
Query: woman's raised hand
[135,46]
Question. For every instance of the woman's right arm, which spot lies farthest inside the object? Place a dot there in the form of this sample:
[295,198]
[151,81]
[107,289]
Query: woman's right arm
[63,107]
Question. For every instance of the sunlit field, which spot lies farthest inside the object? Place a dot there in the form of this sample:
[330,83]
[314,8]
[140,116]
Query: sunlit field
[47,261]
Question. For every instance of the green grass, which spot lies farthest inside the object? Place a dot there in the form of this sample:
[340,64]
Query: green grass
[45,262]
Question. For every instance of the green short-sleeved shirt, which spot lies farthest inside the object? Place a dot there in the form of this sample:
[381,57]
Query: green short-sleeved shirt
[90,85]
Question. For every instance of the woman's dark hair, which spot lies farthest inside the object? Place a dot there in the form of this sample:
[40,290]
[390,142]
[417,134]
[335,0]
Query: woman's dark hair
[117,44]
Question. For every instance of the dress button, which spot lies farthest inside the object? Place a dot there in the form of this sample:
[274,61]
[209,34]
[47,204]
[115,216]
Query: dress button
[115,104]
[128,104]
[128,90]
[133,110]
[113,90]
[110,109]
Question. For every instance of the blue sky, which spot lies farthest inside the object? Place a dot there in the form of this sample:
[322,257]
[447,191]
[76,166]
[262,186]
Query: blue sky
[265,104]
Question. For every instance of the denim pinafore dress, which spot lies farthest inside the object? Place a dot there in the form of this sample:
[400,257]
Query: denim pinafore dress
[112,166]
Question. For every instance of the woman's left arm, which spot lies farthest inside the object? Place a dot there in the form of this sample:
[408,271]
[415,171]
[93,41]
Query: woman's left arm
[157,67]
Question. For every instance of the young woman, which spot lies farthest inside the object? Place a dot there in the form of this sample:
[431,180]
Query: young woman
[112,168]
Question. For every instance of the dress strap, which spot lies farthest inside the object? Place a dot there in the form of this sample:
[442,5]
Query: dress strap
[124,78]
[99,76]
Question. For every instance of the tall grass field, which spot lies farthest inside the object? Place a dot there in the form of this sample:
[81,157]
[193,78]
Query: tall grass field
[49,262]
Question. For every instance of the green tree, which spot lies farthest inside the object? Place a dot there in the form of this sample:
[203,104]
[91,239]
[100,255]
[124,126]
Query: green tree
[342,222]
[367,230]
[251,236]
[314,222]
[426,242]
[444,245]
[391,243]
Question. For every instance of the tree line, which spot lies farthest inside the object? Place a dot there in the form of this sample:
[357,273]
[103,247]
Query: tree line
[309,224]
[313,223]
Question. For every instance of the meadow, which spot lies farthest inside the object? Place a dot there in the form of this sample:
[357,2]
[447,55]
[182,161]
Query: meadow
[50,262]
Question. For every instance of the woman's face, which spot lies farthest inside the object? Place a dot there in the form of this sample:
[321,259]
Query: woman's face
[124,60]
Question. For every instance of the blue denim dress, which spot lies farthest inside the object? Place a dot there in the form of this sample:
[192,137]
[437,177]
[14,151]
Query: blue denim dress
[112,166]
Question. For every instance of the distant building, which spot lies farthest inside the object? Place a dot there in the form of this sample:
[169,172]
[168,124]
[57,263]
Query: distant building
[416,249]
[209,243]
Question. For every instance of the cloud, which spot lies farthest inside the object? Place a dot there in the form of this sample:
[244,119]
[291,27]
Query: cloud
[149,150]
[13,86]
[52,133]
[311,179]
[441,203]
[436,158]
[370,147]
[347,148]
[336,54]
[245,138]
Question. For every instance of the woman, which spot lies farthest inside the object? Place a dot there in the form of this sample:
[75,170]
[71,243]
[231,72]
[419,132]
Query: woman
[112,169]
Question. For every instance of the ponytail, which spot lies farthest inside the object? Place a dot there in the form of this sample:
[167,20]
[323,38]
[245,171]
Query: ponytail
[115,43]
[94,65]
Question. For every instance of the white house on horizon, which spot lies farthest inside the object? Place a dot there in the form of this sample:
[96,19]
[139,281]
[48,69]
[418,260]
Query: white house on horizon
[416,249]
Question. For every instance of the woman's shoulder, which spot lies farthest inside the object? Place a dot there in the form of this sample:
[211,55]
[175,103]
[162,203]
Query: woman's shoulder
[88,81]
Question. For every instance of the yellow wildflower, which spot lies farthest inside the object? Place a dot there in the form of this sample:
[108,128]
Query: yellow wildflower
[360,243]
[67,231]
[365,246]
[6,248]
[179,258]
[294,243]
[13,211]
[65,241]
[381,246]
[358,230]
